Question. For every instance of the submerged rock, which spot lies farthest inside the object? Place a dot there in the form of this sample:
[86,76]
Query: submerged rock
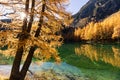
[52,71]
[47,71]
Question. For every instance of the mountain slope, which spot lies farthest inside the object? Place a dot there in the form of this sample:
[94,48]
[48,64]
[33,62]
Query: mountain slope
[95,10]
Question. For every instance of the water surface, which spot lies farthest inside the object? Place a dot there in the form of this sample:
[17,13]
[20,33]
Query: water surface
[96,61]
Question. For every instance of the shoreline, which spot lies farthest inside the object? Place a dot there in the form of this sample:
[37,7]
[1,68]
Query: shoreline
[46,71]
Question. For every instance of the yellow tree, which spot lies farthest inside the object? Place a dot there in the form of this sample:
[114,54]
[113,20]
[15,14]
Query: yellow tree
[39,33]
[116,33]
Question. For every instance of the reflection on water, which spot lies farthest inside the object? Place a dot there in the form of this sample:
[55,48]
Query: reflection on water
[107,53]
[96,61]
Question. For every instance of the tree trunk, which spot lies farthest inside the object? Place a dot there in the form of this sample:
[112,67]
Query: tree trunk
[27,63]
[15,73]
[32,49]
[31,16]
[16,65]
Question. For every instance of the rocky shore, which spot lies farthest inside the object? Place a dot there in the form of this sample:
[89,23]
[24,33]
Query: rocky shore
[47,71]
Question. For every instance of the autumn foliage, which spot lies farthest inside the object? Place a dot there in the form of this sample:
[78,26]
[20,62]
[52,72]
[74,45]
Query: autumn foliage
[36,35]
[107,29]
[49,38]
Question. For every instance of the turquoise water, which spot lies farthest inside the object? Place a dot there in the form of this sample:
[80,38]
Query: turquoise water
[96,61]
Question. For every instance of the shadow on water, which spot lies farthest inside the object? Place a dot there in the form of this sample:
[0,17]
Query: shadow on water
[97,61]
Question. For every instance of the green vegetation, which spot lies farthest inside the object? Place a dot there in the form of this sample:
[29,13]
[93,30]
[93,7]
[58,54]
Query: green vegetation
[5,60]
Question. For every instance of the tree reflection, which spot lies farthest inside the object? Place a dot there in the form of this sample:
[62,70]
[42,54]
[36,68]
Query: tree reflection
[106,53]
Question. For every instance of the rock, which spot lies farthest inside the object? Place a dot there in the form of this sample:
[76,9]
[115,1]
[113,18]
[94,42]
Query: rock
[52,75]
[95,10]
[5,71]
[52,71]
[46,71]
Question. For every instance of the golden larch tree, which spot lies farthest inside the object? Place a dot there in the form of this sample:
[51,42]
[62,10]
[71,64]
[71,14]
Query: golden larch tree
[38,34]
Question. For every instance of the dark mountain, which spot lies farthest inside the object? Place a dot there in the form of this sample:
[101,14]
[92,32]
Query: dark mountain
[95,10]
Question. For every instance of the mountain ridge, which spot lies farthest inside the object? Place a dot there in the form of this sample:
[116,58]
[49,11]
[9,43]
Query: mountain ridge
[95,10]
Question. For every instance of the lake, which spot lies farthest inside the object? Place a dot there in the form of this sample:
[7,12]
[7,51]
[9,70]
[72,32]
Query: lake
[96,61]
